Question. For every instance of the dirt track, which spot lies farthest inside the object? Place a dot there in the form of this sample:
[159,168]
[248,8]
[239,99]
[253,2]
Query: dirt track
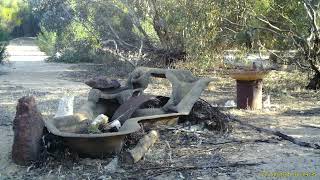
[28,74]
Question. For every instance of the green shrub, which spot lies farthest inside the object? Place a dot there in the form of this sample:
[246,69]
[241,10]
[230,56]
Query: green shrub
[79,52]
[4,35]
[47,42]
[3,54]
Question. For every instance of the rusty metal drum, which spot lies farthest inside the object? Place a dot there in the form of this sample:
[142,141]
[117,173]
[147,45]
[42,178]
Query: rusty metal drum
[249,94]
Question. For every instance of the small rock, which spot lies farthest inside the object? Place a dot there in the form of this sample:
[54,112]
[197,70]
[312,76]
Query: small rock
[90,162]
[112,166]
[104,178]
[267,103]
[100,119]
[115,123]
[230,103]
[58,55]
[195,128]
[181,176]
[113,126]
[98,124]
[103,83]
[94,95]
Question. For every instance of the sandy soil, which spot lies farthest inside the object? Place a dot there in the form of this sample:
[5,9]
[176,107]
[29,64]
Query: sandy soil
[177,150]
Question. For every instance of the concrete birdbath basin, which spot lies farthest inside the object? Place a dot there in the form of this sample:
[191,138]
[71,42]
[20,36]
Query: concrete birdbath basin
[249,88]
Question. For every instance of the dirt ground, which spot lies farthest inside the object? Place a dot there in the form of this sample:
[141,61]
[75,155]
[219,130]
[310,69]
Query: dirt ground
[182,152]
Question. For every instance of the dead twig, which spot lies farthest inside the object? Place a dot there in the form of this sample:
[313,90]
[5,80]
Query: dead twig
[271,140]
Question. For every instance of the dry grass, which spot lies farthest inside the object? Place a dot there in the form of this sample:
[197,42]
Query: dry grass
[284,81]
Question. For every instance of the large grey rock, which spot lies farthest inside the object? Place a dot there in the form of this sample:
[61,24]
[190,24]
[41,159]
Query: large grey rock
[103,83]
[186,89]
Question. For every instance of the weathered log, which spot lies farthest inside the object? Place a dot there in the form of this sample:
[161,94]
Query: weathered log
[77,122]
[134,155]
[28,129]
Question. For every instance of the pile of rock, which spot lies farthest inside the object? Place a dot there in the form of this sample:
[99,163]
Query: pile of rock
[111,107]
[92,116]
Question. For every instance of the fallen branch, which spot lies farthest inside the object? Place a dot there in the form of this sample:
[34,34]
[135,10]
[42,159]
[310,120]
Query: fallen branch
[311,126]
[271,140]
[279,134]
[134,155]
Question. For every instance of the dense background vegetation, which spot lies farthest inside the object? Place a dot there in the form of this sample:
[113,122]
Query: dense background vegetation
[163,32]
[16,20]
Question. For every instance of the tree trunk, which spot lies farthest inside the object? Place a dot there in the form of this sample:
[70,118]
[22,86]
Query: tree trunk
[312,59]
[314,83]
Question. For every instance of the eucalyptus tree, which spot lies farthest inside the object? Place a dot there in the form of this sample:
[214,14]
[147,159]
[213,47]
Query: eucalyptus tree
[286,25]
[297,23]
